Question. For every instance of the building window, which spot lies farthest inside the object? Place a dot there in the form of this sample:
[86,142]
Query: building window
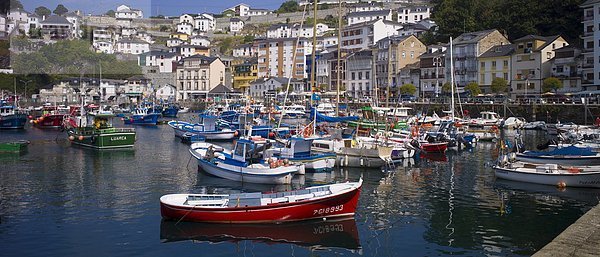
[493,64]
[367,73]
[505,64]
[482,65]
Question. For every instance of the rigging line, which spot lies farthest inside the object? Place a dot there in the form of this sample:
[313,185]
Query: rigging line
[290,74]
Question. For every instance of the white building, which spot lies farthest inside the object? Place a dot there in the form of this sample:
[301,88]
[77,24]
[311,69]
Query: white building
[359,17]
[132,46]
[365,7]
[3,27]
[258,12]
[186,18]
[240,9]
[413,14]
[103,47]
[74,19]
[166,92]
[197,75]
[244,50]
[57,27]
[359,67]
[33,22]
[236,25]
[171,42]
[128,32]
[262,89]
[126,12]
[205,22]
[18,15]
[363,35]
[283,30]
[200,41]
[591,49]
[164,61]
[185,28]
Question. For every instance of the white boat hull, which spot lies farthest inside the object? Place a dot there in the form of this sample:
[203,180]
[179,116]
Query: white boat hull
[591,179]
[242,175]
[363,157]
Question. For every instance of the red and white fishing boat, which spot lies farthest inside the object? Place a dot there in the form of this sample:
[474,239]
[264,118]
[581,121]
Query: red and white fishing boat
[52,118]
[327,201]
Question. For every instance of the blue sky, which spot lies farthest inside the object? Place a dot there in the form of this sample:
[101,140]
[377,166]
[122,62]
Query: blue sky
[152,7]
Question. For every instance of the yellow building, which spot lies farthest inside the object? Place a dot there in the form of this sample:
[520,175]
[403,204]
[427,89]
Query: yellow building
[181,36]
[244,72]
[495,63]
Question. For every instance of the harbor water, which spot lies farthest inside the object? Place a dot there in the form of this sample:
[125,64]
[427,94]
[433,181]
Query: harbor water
[61,200]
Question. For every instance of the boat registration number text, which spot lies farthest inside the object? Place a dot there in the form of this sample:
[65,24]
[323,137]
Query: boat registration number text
[327,210]
[119,138]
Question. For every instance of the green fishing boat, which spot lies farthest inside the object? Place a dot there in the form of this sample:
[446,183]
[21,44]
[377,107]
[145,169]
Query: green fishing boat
[100,133]
[14,147]
[371,120]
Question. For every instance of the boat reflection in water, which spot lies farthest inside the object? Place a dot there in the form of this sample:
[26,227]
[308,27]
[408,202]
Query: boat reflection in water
[436,157]
[333,233]
[550,193]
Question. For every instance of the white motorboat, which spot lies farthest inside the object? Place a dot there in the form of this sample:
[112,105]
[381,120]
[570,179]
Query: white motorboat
[513,123]
[550,174]
[245,163]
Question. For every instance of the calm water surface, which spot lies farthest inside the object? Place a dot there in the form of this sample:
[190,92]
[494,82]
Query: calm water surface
[60,200]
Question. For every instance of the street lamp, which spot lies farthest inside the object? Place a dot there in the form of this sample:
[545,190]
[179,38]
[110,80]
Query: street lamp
[26,82]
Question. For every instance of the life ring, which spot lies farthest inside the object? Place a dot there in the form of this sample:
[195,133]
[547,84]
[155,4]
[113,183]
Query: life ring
[574,170]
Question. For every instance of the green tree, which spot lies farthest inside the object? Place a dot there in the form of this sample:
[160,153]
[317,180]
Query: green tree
[499,85]
[110,13]
[473,88]
[228,13]
[408,89]
[60,10]
[288,6]
[551,84]
[447,88]
[72,57]
[164,28]
[248,39]
[42,11]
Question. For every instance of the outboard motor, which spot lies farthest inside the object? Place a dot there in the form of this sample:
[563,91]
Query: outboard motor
[414,143]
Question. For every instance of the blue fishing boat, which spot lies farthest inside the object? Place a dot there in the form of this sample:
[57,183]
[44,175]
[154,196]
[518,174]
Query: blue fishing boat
[207,128]
[170,111]
[10,118]
[298,150]
[142,116]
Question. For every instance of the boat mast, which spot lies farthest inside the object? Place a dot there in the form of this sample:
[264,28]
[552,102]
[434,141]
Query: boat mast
[389,77]
[451,81]
[374,53]
[314,53]
[339,50]
[291,73]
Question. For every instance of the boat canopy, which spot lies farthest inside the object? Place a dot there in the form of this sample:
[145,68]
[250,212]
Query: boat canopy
[564,151]
[324,118]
